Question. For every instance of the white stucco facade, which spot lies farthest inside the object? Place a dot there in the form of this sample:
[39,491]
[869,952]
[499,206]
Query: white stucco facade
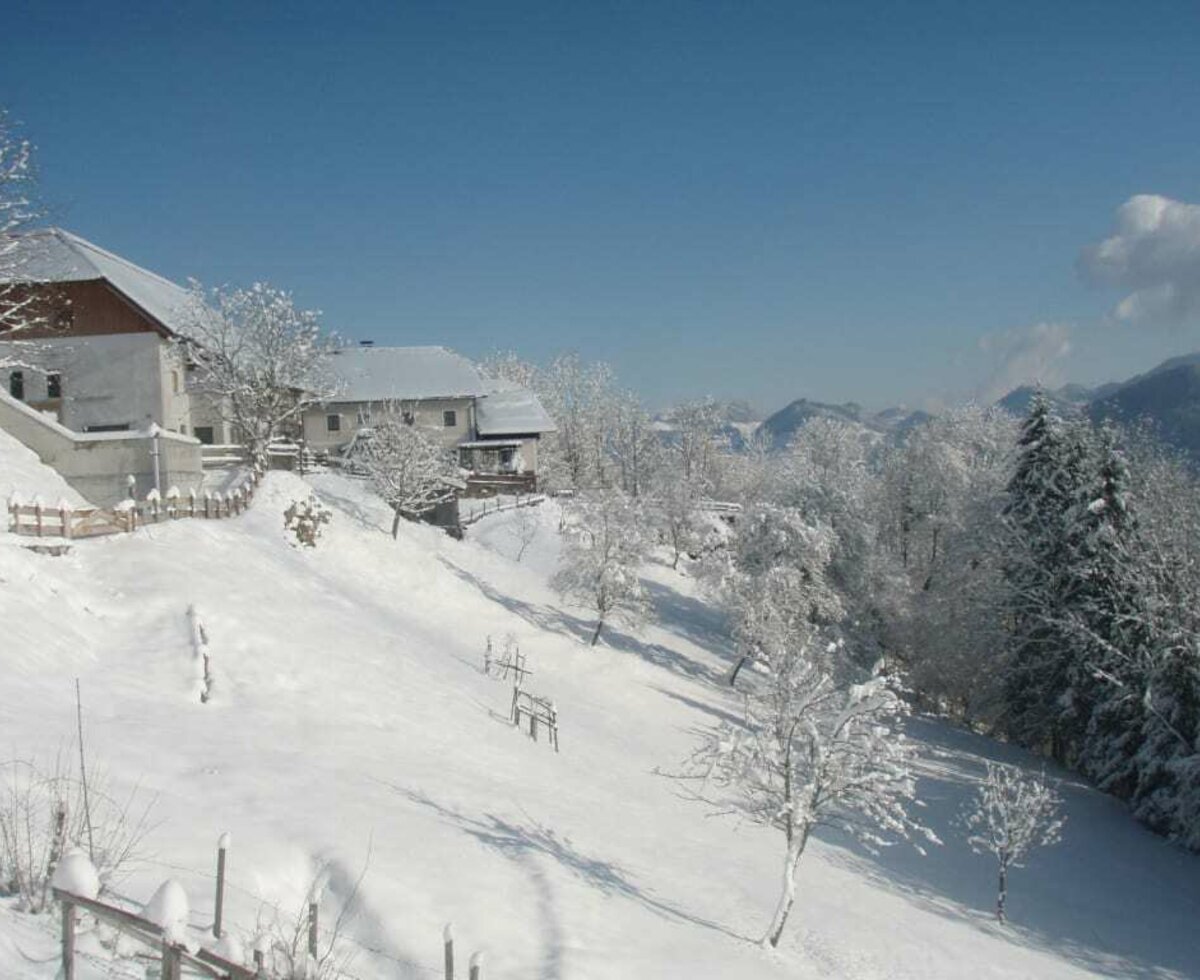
[429,415]
[105,383]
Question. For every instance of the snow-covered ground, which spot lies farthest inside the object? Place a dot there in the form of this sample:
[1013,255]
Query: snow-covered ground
[23,474]
[351,723]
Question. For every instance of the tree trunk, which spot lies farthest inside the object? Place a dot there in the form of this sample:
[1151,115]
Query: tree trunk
[737,670]
[396,525]
[787,897]
[1002,894]
[596,634]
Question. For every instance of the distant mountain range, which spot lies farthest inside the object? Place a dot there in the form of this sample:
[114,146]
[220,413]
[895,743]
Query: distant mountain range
[783,425]
[1167,396]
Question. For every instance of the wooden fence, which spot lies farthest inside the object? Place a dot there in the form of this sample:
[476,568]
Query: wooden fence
[65,521]
[497,505]
[178,952]
[175,956]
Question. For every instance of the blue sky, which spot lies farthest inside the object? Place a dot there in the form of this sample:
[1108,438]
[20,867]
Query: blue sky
[875,202]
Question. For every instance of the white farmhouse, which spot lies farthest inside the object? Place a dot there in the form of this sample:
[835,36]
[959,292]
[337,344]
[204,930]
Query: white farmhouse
[494,426]
[99,389]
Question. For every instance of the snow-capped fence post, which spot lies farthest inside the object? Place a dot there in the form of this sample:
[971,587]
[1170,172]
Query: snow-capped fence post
[37,514]
[476,966]
[68,940]
[64,518]
[222,847]
[192,502]
[448,944]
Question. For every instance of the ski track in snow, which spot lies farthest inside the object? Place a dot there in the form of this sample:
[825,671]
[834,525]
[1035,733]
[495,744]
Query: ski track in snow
[350,707]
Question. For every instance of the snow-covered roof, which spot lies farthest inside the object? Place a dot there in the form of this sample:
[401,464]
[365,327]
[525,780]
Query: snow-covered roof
[54,255]
[510,412]
[375,374]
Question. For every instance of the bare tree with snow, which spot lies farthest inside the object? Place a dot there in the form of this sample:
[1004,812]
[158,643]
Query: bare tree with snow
[261,360]
[813,749]
[407,467]
[605,545]
[1012,814]
[19,310]
[524,526]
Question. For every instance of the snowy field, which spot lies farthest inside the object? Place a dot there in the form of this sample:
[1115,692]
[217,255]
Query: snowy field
[351,723]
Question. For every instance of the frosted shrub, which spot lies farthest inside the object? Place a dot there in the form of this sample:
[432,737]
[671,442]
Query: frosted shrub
[304,519]
[43,816]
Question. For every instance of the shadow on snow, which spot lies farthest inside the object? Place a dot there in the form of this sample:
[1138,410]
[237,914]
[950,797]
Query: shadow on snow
[529,846]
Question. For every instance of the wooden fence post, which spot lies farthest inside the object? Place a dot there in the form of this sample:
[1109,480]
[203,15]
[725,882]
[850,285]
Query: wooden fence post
[476,966]
[68,940]
[222,847]
[448,942]
[37,514]
[172,962]
[64,518]
[312,929]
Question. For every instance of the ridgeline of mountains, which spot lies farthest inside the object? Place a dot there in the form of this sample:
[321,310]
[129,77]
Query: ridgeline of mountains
[1167,396]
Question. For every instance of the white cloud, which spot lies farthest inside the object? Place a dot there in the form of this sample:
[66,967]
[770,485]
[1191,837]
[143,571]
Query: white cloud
[1030,355]
[1155,254]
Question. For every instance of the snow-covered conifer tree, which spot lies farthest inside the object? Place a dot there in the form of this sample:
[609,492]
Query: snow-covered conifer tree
[1011,815]
[261,360]
[605,546]
[1051,468]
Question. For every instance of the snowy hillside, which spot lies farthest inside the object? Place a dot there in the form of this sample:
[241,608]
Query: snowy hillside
[22,473]
[351,723]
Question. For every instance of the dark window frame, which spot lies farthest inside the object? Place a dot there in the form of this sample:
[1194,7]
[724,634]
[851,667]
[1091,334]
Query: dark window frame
[450,418]
[333,423]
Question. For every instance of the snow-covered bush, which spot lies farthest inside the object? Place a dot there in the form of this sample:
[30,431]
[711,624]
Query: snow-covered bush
[1012,814]
[304,518]
[44,813]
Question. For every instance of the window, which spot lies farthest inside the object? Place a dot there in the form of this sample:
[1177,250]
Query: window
[204,433]
[116,427]
[333,423]
[54,386]
[449,418]
[174,382]
[16,385]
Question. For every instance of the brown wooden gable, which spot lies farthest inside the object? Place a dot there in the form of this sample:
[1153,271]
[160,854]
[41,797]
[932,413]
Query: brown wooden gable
[87,309]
